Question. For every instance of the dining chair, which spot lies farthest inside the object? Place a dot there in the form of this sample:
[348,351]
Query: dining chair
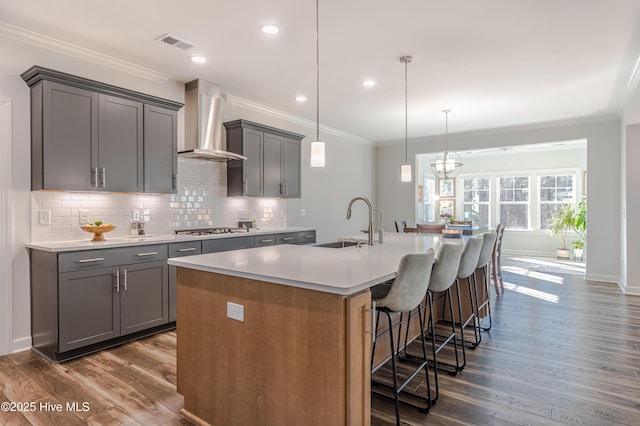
[403,295]
[484,262]
[496,259]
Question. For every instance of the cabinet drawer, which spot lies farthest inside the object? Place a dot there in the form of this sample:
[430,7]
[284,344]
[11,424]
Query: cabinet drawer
[142,253]
[265,240]
[303,237]
[185,249]
[227,244]
[87,259]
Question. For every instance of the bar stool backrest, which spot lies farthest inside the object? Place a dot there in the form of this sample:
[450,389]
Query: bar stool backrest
[487,248]
[410,285]
[470,256]
[400,225]
[446,266]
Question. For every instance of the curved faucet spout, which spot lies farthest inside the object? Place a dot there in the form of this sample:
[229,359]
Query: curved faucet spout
[370,227]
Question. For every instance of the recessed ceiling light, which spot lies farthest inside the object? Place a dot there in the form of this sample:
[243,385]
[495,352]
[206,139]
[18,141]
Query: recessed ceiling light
[198,59]
[270,29]
[301,98]
[368,83]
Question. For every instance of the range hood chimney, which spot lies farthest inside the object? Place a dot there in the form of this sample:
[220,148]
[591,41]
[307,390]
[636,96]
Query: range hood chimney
[203,123]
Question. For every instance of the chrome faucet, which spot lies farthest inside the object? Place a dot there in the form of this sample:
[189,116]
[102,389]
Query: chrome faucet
[380,230]
[370,227]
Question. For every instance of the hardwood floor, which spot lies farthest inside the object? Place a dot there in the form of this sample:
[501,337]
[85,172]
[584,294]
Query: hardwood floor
[562,351]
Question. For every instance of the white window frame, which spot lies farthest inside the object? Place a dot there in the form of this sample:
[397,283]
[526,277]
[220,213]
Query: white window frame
[490,203]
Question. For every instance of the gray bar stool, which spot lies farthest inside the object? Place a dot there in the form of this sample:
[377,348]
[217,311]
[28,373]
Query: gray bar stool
[483,264]
[468,263]
[403,295]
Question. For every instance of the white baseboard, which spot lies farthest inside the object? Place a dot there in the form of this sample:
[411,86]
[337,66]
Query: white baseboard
[21,344]
[614,279]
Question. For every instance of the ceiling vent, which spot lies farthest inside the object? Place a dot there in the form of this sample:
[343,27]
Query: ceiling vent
[175,41]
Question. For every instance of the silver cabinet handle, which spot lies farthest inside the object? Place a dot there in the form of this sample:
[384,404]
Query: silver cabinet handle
[125,279]
[103,177]
[174,181]
[286,189]
[95,259]
[185,249]
[94,177]
[151,253]
[117,274]
[244,187]
[308,236]
[287,239]
[266,241]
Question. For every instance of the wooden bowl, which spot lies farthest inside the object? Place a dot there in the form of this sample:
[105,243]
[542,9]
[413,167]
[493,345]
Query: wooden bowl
[98,231]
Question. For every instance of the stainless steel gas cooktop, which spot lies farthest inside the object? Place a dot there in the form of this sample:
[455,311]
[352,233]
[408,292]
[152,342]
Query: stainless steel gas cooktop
[208,231]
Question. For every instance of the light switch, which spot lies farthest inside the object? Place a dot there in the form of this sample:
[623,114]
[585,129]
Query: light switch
[83,216]
[44,217]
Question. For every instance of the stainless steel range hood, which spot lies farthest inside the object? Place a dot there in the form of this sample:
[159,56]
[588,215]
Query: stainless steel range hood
[203,123]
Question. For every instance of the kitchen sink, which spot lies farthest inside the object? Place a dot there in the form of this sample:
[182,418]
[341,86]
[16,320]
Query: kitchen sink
[338,244]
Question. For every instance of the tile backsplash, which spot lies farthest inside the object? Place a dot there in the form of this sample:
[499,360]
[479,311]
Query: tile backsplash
[201,201]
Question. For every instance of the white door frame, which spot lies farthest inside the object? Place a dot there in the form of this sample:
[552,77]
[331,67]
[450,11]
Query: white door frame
[6,235]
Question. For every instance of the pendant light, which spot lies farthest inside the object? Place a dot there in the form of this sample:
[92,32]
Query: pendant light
[317,146]
[448,164]
[405,170]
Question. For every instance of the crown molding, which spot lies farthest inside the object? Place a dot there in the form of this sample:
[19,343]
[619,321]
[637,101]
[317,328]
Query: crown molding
[632,84]
[240,102]
[49,43]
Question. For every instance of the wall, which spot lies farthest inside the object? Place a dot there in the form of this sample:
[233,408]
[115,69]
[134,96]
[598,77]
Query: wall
[603,156]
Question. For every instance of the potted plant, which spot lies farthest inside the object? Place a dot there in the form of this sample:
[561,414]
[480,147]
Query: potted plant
[562,221]
[578,248]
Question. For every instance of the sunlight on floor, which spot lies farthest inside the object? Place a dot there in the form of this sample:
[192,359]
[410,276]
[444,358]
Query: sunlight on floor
[552,263]
[547,297]
[534,274]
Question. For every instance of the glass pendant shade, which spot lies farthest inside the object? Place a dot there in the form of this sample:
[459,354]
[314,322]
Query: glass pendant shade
[405,173]
[448,164]
[317,154]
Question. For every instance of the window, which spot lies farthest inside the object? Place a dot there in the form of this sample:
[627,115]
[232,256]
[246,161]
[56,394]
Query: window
[476,200]
[555,190]
[427,201]
[514,201]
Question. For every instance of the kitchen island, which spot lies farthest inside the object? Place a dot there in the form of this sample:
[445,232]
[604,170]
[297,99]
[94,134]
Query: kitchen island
[298,351]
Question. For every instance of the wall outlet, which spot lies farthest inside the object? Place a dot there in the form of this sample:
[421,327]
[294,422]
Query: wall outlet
[83,216]
[135,215]
[44,217]
[303,212]
[235,311]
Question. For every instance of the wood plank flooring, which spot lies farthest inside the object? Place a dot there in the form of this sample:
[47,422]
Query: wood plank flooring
[562,351]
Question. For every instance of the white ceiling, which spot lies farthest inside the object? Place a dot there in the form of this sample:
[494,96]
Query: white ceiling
[494,63]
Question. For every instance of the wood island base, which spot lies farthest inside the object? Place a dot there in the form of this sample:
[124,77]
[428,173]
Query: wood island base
[300,356]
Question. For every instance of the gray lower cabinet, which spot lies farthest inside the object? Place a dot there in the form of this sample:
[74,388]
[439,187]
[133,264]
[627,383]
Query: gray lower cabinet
[89,308]
[300,237]
[189,248]
[227,244]
[87,300]
[265,240]
[272,168]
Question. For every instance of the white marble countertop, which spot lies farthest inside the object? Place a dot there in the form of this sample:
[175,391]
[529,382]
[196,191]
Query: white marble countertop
[75,245]
[344,271]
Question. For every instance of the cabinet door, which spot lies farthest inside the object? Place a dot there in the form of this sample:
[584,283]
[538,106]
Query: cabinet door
[252,148]
[160,150]
[89,304]
[179,250]
[272,163]
[69,137]
[144,291]
[120,153]
[291,168]
[359,339]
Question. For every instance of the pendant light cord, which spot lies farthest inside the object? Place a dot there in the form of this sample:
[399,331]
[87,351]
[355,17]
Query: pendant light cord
[406,157]
[317,72]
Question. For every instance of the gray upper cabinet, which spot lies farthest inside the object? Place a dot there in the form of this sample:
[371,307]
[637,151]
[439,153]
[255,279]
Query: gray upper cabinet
[64,131]
[120,155]
[91,136]
[160,149]
[272,168]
